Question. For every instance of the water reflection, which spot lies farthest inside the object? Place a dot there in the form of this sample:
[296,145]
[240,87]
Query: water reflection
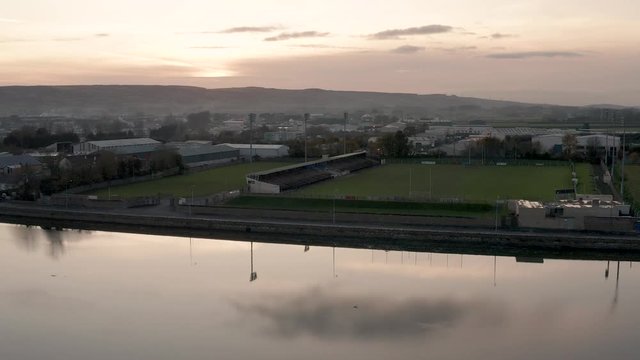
[614,303]
[397,307]
[28,238]
[324,314]
[253,276]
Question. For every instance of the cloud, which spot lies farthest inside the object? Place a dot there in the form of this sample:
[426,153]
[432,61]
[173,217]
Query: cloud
[7,20]
[535,54]
[210,47]
[296,35]
[63,39]
[249,29]
[407,49]
[325,46]
[101,35]
[13,40]
[422,30]
[329,316]
[458,48]
[497,36]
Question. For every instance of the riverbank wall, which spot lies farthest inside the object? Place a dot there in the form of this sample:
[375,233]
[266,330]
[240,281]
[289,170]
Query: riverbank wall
[327,234]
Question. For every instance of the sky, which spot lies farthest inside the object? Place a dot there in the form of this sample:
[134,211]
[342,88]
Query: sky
[573,52]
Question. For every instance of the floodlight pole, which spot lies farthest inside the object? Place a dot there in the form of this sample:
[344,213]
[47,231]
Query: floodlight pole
[252,118]
[191,203]
[624,146]
[410,176]
[306,118]
[344,133]
[497,199]
[430,184]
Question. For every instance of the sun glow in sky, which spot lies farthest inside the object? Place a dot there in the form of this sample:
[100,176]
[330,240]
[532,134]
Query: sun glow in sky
[571,52]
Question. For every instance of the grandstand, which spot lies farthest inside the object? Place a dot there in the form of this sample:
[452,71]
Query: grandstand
[296,176]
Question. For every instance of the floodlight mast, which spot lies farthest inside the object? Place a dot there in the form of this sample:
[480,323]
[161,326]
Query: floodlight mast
[252,118]
[624,146]
[344,133]
[306,118]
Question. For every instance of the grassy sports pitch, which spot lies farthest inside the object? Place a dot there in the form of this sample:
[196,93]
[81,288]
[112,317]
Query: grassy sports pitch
[468,183]
[204,183]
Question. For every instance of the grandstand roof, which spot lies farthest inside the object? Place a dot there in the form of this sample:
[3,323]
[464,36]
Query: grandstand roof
[295,166]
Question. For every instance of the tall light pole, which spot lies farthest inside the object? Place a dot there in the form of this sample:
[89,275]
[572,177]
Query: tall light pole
[252,118]
[344,133]
[191,203]
[430,184]
[410,176]
[306,118]
[497,200]
[253,276]
[624,146]
[68,185]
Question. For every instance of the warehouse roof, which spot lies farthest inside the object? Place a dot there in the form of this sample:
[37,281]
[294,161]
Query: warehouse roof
[12,160]
[123,142]
[257,146]
[194,150]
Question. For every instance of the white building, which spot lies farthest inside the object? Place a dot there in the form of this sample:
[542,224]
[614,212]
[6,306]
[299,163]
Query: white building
[586,214]
[552,143]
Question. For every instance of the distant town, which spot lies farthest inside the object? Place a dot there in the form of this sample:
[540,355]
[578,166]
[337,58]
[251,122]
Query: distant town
[47,157]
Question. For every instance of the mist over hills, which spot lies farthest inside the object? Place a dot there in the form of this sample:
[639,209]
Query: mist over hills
[96,100]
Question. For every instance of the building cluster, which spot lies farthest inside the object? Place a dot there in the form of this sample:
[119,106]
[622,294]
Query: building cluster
[584,213]
[15,170]
[455,140]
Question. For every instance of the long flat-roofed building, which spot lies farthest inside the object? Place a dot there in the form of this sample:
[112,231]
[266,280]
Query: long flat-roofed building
[261,150]
[196,154]
[117,145]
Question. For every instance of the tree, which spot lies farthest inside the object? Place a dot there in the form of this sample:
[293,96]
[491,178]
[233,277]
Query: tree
[569,145]
[593,145]
[395,145]
[107,165]
[199,121]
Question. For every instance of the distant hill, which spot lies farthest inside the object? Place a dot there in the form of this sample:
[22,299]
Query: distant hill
[131,99]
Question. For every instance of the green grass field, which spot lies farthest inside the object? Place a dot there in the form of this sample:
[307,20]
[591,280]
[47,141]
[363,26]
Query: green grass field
[475,184]
[204,183]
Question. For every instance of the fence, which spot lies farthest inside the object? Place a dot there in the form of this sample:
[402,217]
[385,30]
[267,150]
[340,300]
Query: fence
[479,162]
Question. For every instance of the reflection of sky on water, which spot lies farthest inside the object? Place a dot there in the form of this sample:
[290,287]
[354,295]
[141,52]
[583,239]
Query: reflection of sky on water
[108,295]
[326,315]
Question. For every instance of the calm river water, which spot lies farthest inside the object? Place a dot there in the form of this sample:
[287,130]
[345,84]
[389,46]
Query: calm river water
[99,295]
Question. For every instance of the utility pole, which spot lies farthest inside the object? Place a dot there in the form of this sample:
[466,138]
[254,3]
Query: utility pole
[624,146]
[252,118]
[344,133]
[306,118]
